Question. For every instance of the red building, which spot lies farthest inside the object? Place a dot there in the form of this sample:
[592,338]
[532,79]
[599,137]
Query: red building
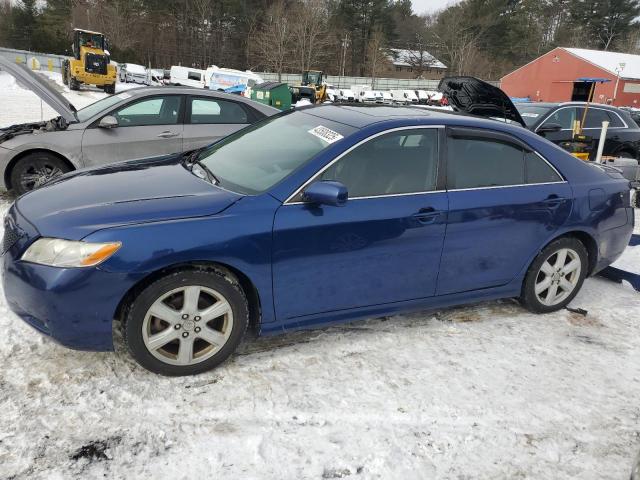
[553,77]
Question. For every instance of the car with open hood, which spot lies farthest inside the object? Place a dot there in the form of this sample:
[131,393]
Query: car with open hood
[133,124]
[325,214]
[554,121]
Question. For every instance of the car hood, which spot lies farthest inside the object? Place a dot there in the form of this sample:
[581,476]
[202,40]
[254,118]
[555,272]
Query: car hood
[38,85]
[153,190]
[475,97]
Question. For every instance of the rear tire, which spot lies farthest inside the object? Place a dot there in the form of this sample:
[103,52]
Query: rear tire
[187,322]
[110,89]
[34,170]
[73,83]
[555,276]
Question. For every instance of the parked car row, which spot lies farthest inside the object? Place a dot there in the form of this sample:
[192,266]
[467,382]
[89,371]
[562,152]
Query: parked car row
[324,214]
[365,94]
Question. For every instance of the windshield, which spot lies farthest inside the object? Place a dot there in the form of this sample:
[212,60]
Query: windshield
[93,40]
[90,111]
[254,159]
[531,113]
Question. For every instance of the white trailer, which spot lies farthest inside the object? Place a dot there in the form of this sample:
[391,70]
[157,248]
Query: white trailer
[188,77]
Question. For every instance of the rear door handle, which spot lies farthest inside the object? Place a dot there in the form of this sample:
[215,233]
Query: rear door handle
[554,200]
[168,134]
[426,215]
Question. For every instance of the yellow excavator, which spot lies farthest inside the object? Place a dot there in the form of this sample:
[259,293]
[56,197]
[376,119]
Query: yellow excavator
[313,87]
[90,64]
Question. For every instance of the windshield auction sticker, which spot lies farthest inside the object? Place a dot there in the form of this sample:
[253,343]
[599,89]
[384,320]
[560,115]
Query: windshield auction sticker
[326,134]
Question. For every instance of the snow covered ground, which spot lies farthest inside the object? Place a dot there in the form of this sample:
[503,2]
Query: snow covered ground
[18,105]
[481,392]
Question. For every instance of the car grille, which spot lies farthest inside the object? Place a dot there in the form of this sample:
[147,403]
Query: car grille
[11,235]
[95,63]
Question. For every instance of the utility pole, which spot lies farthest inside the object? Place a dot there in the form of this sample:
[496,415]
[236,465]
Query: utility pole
[345,42]
[619,70]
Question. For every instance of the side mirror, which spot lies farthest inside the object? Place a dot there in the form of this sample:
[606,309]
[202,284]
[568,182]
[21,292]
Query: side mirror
[108,122]
[549,128]
[326,193]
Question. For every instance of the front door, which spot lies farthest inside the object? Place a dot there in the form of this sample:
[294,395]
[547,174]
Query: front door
[146,128]
[210,119]
[383,246]
[504,202]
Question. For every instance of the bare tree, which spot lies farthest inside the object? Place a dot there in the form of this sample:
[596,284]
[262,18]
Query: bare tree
[376,52]
[310,32]
[272,43]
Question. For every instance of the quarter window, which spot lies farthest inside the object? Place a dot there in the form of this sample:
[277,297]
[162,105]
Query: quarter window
[394,163]
[205,110]
[539,171]
[152,111]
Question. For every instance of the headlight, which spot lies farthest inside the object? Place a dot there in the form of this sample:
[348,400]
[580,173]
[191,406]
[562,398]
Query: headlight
[56,252]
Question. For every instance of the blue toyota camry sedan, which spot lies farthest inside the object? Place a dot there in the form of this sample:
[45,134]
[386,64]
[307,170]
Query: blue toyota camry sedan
[322,215]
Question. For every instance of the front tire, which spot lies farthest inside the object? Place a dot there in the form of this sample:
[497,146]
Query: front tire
[110,89]
[555,276]
[34,170]
[187,322]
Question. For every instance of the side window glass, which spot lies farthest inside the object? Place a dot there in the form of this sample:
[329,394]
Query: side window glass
[615,121]
[539,171]
[475,163]
[563,117]
[395,163]
[204,110]
[194,76]
[595,117]
[152,111]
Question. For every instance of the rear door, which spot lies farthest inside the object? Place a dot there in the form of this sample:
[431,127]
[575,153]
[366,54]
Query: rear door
[147,127]
[209,119]
[504,202]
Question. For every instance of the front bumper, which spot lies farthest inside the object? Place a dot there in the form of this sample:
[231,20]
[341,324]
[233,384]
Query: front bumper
[73,306]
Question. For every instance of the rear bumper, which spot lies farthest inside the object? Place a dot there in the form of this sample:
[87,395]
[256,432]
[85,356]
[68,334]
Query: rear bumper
[613,242]
[75,307]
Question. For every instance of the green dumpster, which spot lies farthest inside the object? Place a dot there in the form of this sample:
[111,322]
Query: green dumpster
[275,94]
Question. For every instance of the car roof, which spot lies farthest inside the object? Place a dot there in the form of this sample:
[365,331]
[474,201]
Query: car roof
[360,115]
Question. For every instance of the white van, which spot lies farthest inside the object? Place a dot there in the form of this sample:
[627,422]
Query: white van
[411,96]
[188,77]
[399,97]
[229,79]
[365,96]
[423,97]
[346,95]
[387,99]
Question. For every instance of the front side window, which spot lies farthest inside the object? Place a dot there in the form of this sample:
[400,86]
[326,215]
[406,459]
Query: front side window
[205,110]
[395,163]
[152,111]
[254,159]
[563,117]
[481,163]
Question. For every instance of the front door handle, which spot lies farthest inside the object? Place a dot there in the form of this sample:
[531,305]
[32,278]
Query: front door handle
[168,134]
[426,215]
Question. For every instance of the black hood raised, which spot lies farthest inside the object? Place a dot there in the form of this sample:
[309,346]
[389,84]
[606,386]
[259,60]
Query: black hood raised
[476,97]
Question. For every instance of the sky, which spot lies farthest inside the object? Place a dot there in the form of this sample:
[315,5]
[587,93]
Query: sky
[430,6]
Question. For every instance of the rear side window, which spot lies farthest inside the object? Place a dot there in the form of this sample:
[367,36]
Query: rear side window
[475,163]
[479,163]
[209,110]
[615,120]
[595,117]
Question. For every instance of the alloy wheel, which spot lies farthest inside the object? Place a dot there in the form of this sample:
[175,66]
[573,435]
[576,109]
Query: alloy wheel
[558,276]
[37,175]
[187,325]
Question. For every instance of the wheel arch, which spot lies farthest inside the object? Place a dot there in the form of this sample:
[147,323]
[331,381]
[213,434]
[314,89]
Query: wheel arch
[586,239]
[248,287]
[21,155]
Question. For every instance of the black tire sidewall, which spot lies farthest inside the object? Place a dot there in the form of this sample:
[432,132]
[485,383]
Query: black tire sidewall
[529,298]
[218,280]
[33,158]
